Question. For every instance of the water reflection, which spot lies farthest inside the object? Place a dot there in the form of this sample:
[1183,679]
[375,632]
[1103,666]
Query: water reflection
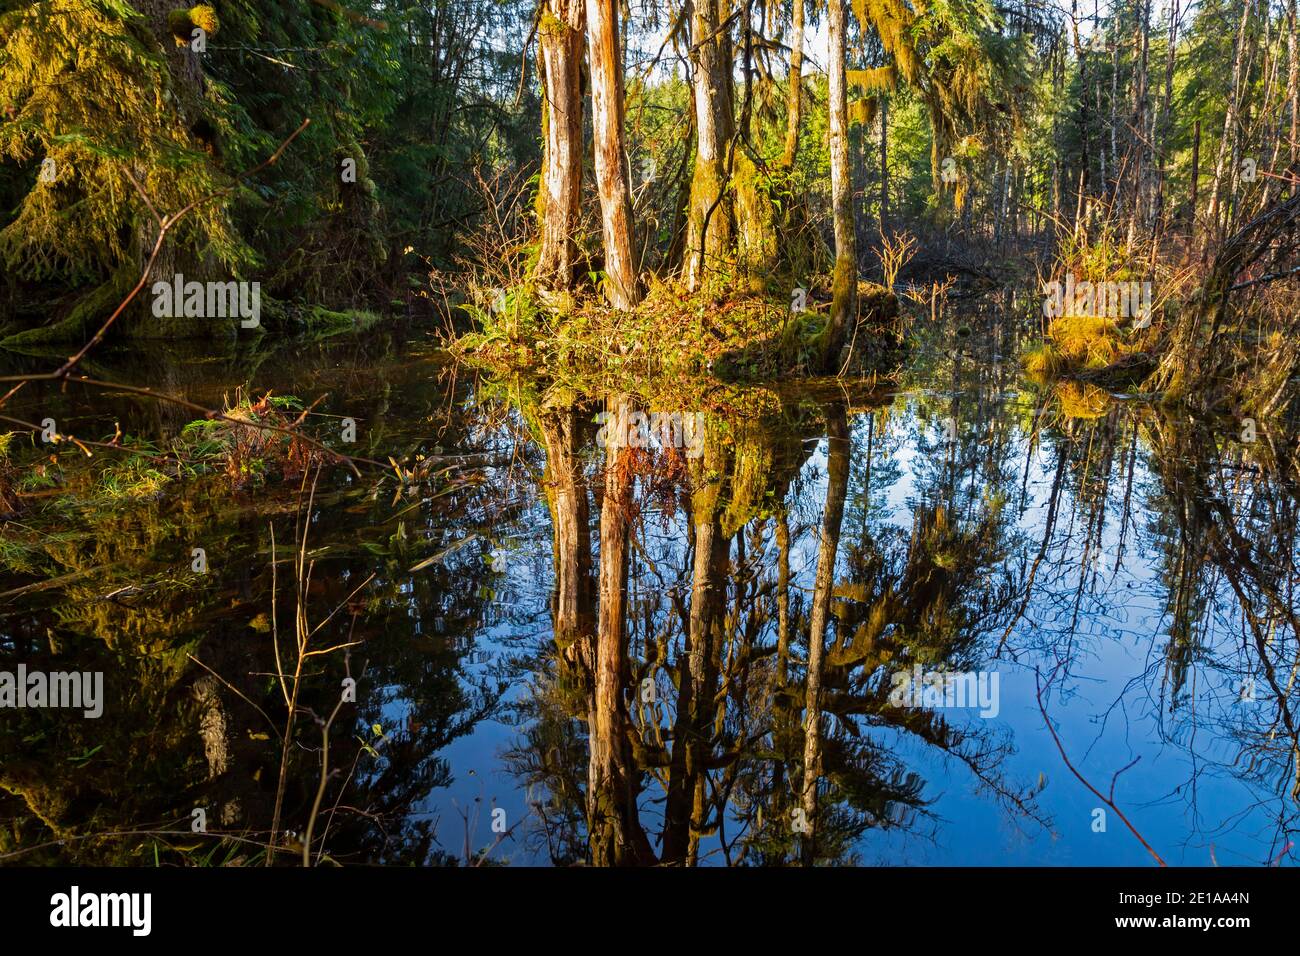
[956,619]
[737,623]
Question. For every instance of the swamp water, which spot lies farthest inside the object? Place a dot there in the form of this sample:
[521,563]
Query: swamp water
[1031,588]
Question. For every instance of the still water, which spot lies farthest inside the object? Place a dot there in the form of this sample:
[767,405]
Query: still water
[1059,625]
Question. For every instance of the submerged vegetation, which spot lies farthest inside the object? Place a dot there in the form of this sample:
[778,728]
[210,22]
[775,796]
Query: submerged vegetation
[248,442]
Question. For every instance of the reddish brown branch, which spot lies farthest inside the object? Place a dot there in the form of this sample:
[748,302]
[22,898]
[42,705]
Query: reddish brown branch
[1108,800]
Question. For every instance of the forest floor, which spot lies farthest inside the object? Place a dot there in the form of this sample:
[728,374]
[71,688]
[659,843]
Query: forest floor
[736,336]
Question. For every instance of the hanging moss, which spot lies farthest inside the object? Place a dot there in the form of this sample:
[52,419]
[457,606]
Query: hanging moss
[118,114]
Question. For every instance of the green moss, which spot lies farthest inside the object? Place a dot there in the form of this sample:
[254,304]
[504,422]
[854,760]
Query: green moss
[755,223]
[93,307]
[549,24]
[183,23]
[1044,363]
[205,18]
[735,336]
[323,323]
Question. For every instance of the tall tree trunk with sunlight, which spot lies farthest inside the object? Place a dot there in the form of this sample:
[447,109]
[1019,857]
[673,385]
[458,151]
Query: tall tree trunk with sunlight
[559,196]
[611,167]
[794,95]
[845,281]
[709,222]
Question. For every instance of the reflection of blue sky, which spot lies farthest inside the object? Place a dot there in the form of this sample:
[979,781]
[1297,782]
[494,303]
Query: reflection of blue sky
[1106,720]
[1109,714]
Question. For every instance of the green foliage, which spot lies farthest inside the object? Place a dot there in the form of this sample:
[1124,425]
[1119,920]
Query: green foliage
[84,85]
[110,90]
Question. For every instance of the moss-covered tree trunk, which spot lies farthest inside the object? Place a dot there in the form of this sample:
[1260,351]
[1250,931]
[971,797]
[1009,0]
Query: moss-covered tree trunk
[606,67]
[794,95]
[709,237]
[845,286]
[187,82]
[560,45]
[756,243]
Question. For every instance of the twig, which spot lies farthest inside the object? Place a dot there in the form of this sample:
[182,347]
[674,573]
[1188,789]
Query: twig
[1108,800]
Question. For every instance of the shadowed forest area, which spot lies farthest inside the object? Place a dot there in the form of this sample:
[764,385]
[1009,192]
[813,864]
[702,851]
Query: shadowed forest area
[684,433]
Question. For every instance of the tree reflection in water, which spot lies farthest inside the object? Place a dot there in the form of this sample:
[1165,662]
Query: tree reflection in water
[682,651]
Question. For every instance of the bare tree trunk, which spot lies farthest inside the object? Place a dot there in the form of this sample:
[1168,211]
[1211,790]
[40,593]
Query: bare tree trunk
[708,596]
[1079,223]
[845,285]
[560,45]
[1272,61]
[566,493]
[1003,183]
[1165,131]
[782,731]
[605,800]
[1140,142]
[611,168]
[1113,190]
[1085,159]
[837,484]
[613,829]
[1292,82]
[1230,141]
[684,806]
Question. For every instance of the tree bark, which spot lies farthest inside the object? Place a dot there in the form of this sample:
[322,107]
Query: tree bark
[611,169]
[884,162]
[1196,173]
[573,600]
[1139,148]
[685,808]
[709,226]
[845,284]
[794,95]
[1229,142]
[1292,83]
[613,828]
[755,214]
[559,200]
[1165,129]
[837,484]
